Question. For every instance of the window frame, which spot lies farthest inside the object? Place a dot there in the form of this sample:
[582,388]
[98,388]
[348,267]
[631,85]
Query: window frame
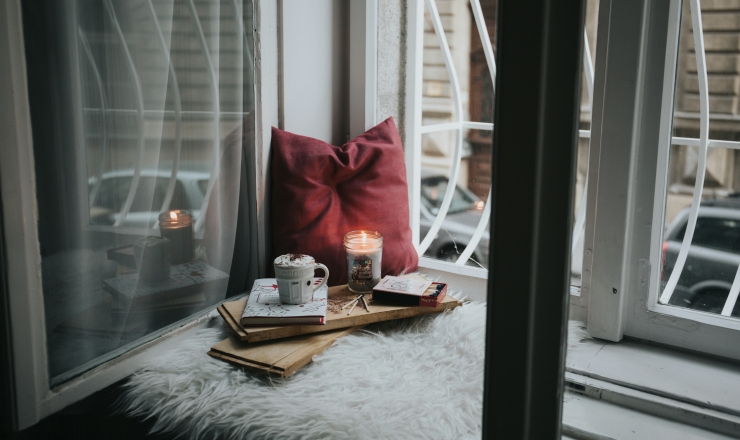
[32,396]
[631,135]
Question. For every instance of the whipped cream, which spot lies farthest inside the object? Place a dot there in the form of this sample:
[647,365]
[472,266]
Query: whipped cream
[294,260]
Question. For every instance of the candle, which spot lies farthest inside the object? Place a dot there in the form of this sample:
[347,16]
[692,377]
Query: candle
[364,255]
[177,226]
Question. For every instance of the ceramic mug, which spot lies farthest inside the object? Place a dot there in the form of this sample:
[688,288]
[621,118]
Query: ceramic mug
[294,274]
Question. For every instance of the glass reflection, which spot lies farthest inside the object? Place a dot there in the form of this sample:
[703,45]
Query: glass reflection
[139,108]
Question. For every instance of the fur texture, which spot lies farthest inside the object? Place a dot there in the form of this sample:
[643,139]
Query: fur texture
[417,378]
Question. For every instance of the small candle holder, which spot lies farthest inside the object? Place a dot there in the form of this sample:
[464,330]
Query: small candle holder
[364,255]
[177,226]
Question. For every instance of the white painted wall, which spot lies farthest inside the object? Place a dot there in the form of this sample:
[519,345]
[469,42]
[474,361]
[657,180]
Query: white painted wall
[315,69]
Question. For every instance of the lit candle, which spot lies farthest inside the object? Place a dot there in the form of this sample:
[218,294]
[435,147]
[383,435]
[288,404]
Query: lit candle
[364,255]
[177,226]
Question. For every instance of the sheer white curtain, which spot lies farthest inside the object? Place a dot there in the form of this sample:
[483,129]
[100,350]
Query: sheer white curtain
[150,108]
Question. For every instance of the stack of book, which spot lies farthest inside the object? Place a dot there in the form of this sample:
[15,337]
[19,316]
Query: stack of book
[279,339]
[184,290]
[265,308]
[135,306]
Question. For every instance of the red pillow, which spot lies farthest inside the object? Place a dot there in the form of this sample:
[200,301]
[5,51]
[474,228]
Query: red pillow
[320,192]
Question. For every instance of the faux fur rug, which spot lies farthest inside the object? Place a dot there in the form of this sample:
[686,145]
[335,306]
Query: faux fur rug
[417,378]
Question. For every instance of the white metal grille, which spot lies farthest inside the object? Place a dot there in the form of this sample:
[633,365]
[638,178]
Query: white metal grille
[703,143]
[459,125]
[142,113]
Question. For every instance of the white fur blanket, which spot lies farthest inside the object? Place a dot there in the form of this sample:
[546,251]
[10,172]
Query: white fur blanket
[416,378]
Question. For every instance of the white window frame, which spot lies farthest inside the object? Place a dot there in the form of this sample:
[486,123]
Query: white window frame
[34,399]
[631,136]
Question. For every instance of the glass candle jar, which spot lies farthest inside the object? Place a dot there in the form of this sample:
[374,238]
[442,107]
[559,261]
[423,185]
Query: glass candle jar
[177,226]
[364,255]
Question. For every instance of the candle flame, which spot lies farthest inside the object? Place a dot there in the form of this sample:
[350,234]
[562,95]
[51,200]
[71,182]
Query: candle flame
[364,238]
[173,215]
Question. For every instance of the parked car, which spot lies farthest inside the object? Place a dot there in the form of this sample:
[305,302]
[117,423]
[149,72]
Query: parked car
[713,259]
[190,189]
[458,227]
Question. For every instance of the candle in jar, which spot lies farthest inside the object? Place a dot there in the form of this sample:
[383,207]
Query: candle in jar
[364,256]
[177,226]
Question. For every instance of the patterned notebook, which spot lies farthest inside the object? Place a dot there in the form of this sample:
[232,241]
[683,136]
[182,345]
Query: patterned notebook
[264,306]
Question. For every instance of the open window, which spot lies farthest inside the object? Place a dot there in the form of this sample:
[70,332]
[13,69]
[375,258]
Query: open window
[452,68]
[661,261]
[130,121]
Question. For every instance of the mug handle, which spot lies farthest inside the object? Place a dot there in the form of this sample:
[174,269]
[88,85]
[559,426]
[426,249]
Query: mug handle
[326,275]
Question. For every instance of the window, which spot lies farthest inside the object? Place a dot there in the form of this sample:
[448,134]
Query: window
[452,115]
[133,110]
[661,252]
[161,86]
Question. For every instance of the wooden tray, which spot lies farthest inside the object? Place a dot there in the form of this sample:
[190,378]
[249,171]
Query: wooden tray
[335,317]
[280,358]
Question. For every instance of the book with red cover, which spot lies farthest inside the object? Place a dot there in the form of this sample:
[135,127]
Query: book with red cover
[430,297]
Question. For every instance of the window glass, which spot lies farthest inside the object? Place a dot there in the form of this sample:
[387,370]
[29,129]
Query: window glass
[434,188]
[149,197]
[716,233]
[706,272]
[466,95]
[138,109]
[457,98]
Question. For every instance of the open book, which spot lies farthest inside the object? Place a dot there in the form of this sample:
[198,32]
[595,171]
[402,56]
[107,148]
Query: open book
[264,306]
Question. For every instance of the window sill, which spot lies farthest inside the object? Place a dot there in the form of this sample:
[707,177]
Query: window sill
[123,362]
[650,381]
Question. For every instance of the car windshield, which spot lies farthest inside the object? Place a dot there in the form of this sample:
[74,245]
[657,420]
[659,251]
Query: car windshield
[149,197]
[715,233]
[433,191]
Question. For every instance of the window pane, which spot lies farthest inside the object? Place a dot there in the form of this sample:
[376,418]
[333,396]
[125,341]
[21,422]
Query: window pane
[712,255]
[442,96]
[465,97]
[138,108]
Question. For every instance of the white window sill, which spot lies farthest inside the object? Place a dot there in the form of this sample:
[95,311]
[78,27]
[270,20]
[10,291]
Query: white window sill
[590,418]
[620,390]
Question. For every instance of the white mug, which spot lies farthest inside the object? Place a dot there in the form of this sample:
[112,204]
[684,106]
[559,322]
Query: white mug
[294,274]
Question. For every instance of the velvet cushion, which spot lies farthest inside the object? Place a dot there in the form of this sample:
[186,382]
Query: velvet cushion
[320,192]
